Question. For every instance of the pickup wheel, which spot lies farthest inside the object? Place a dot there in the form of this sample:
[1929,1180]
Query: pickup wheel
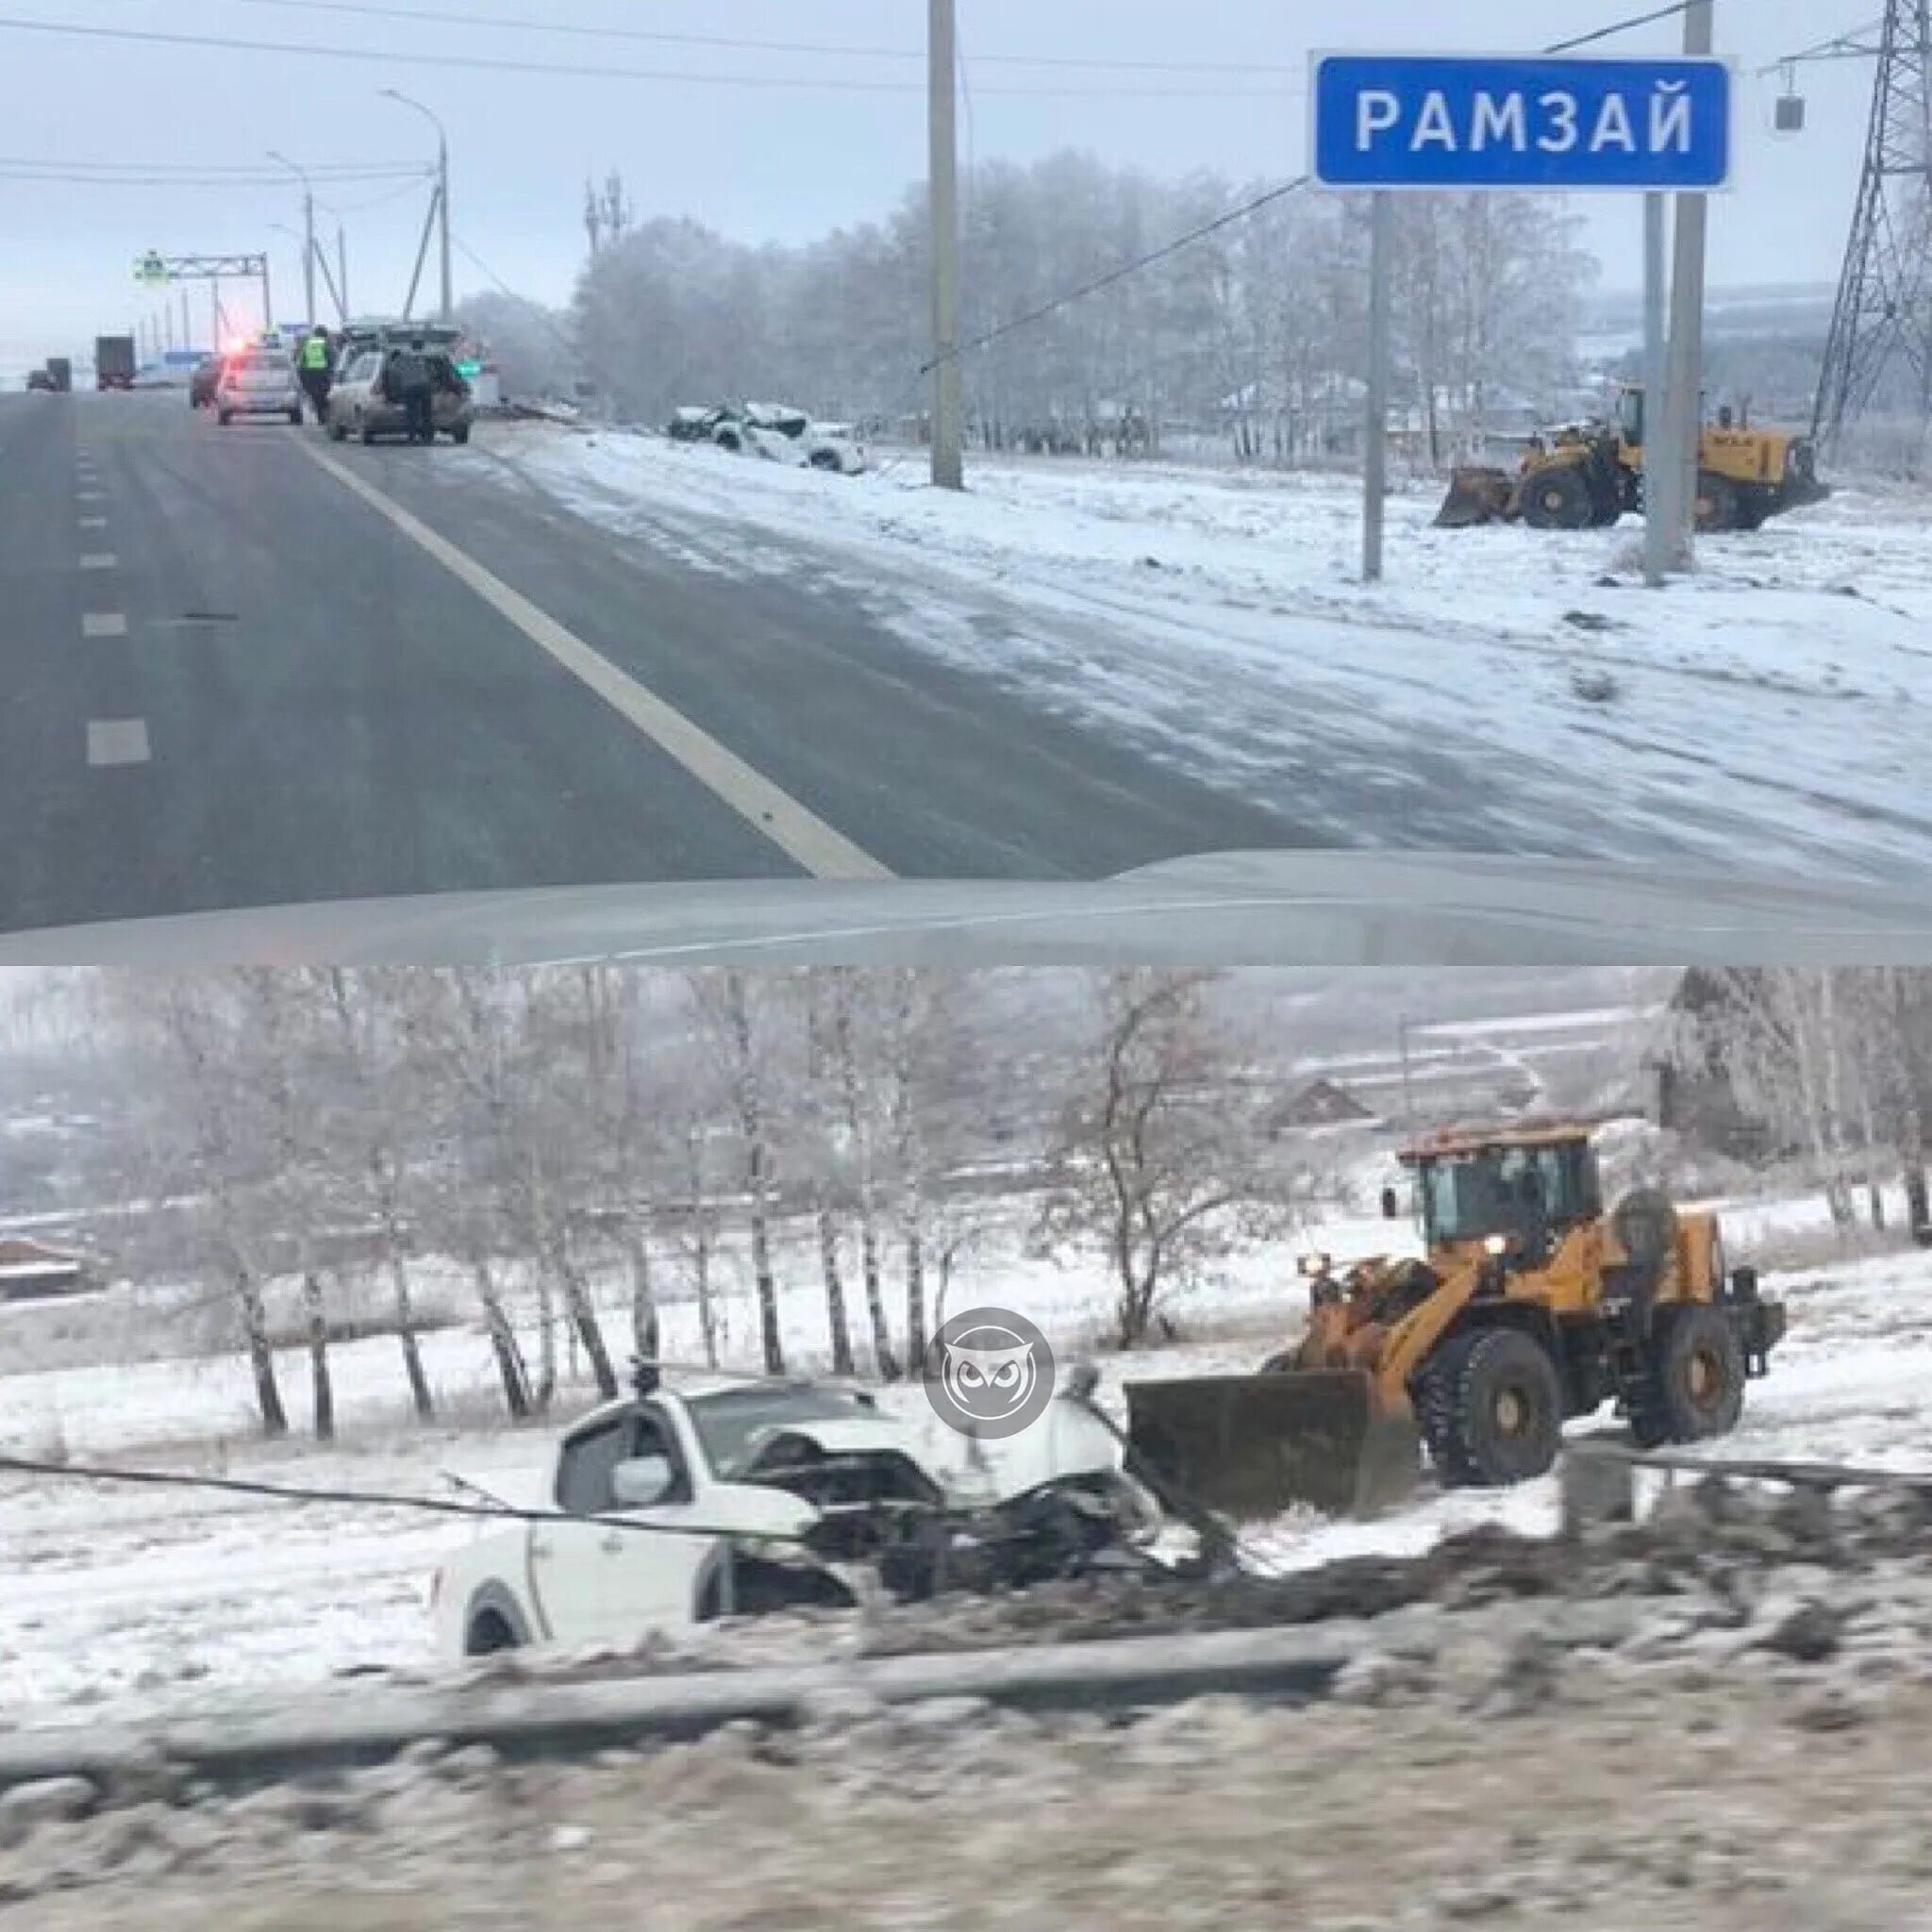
[489,1633]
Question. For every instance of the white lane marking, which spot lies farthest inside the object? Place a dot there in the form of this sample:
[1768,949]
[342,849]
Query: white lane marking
[104,624]
[90,497]
[797,832]
[97,559]
[117,741]
[93,522]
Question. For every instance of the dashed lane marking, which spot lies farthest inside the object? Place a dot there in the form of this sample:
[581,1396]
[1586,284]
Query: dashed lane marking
[798,832]
[93,522]
[97,559]
[117,741]
[104,624]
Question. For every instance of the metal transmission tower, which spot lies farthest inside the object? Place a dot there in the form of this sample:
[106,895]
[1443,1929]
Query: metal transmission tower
[1884,307]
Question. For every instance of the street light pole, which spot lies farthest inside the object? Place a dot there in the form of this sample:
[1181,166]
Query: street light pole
[308,234]
[449,307]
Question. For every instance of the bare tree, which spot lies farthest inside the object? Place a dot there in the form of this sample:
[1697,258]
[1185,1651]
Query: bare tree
[1156,1161]
[205,1128]
[451,1033]
[276,1050]
[856,1112]
[821,1127]
[726,1004]
[373,1106]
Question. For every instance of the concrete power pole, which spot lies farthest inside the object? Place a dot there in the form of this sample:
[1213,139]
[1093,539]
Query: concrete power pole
[1686,371]
[948,396]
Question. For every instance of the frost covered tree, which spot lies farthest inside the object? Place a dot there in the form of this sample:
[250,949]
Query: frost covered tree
[206,1136]
[1254,333]
[1159,1162]
[737,1012]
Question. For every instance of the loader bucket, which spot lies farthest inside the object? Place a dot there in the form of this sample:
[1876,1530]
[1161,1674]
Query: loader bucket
[1253,1446]
[1476,495]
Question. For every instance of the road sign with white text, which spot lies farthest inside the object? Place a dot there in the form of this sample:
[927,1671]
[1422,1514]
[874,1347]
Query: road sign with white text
[1537,123]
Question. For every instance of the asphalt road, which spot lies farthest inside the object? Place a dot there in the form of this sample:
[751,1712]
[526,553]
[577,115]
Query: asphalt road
[234,678]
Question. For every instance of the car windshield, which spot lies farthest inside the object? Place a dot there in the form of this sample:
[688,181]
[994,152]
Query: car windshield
[1507,1189]
[732,1423]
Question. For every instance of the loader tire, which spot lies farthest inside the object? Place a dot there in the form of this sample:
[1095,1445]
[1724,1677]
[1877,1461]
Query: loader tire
[1558,500]
[1492,1408]
[1700,1376]
[1717,502]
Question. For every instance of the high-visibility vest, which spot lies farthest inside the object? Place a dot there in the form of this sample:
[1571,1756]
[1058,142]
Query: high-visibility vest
[315,352]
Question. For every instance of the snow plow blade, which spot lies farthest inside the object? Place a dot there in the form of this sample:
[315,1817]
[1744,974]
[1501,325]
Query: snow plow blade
[1252,1446]
[1476,495]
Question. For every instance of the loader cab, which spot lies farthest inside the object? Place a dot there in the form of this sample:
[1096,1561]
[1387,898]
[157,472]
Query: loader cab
[1630,418]
[1467,1192]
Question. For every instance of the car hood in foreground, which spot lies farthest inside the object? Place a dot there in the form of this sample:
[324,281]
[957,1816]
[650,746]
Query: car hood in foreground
[1285,908]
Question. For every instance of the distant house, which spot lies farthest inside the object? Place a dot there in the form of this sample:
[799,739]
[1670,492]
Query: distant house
[1324,1104]
[32,1271]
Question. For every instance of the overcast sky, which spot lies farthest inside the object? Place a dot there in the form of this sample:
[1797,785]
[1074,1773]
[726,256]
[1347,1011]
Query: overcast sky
[760,162]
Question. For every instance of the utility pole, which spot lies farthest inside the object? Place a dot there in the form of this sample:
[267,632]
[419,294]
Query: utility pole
[1402,1047]
[1686,373]
[948,399]
[1657,494]
[1375,425]
[342,270]
[441,206]
[308,236]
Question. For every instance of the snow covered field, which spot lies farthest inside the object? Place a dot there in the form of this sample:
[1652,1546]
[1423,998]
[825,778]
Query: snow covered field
[1771,712]
[133,1597]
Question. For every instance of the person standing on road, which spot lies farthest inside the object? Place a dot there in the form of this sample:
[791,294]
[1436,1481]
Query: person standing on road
[410,385]
[315,370]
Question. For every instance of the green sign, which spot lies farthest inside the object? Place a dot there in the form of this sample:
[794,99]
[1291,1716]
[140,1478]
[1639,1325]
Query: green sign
[151,270]
[469,369]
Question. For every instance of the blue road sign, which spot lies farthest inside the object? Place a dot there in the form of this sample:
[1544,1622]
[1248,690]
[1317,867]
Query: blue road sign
[1536,123]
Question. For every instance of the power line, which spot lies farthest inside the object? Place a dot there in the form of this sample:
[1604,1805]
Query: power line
[333,171]
[817,49]
[372,1499]
[1126,269]
[561,69]
[1622,26]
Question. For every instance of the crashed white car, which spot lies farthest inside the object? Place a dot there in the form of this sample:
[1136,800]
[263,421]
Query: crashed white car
[784,435]
[759,1496]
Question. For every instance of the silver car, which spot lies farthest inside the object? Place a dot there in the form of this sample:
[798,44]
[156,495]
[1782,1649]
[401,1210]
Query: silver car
[360,403]
[258,382]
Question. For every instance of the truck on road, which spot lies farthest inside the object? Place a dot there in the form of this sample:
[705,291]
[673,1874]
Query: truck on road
[62,371]
[114,363]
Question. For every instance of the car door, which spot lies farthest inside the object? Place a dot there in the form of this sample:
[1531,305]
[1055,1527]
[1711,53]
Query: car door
[599,1582]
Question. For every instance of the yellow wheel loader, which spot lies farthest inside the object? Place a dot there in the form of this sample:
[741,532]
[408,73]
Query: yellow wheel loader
[1586,475]
[1533,1306]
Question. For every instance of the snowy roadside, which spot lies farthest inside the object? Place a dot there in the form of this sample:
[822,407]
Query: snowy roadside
[1768,711]
[128,1601]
